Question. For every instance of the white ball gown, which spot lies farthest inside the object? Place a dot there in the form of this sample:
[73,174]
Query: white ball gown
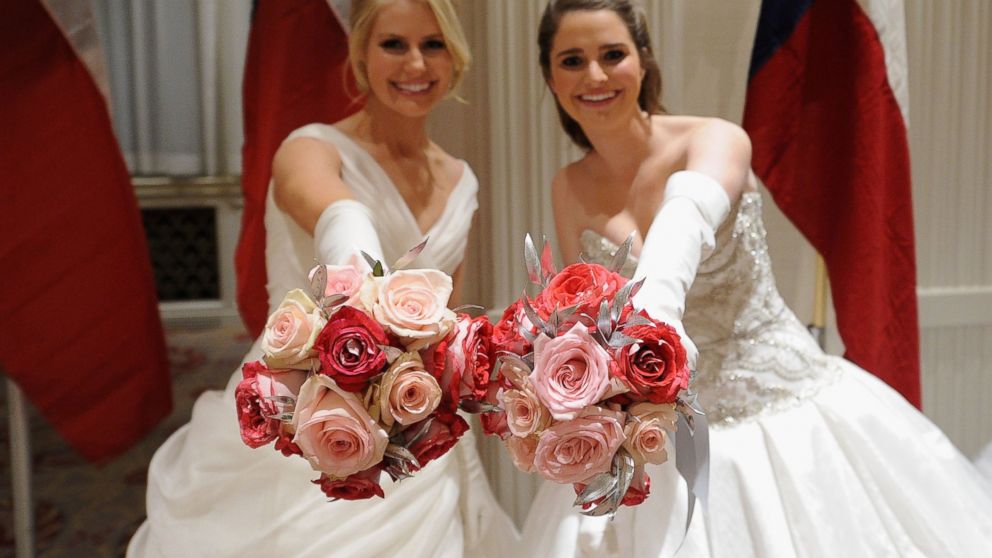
[810,455]
[210,495]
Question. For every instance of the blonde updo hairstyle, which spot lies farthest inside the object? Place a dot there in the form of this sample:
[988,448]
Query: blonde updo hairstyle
[362,19]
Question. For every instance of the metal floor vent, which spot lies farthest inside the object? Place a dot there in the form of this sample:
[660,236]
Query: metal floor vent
[183,246]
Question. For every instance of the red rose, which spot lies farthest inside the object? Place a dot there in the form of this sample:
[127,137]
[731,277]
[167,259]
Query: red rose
[253,405]
[256,430]
[471,350]
[640,488]
[506,334]
[437,363]
[284,444]
[359,486]
[348,348]
[445,429]
[657,369]
[582,284]
[494,424]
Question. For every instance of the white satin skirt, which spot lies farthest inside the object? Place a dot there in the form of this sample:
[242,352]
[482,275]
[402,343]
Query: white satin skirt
[853,471]
[210,495]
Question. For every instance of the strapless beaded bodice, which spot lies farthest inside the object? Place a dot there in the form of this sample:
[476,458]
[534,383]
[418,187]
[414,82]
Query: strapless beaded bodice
[754,354]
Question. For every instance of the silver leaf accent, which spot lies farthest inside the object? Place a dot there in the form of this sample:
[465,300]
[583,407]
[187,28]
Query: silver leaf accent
[464,307]
[318,283]
[620,257]
[527,334]
[604,323]
[623,462]
[370,260]
[637,320]
[532,260]
[421,430]
[619,340]
[535,319]
[411,254]
[328,302]
[401,454]
[619,301]
[600,486]
[478,407]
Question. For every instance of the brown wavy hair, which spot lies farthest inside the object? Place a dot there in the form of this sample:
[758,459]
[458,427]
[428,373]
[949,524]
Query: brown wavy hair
[633,17]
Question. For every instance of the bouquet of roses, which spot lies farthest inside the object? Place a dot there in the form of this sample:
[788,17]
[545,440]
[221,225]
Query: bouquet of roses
[363,374]
[588,388]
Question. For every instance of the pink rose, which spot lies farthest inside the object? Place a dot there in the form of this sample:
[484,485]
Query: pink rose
[580,284]
[522,451]
[524,413]
[334,431]
[254,403]
[359,486]
[407,393]
[291,331]
[413,304]
[349,348]
[646,432]
[343,280]
[571,372]
[656,368]
[443,432]
[575,450]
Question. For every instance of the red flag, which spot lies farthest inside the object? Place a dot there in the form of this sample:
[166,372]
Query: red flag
[79,325]
[830,143]
[296,72]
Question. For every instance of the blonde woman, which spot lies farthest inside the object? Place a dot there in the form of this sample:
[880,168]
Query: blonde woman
[374,182]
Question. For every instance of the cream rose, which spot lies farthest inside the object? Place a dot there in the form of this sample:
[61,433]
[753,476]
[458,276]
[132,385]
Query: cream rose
[334,431]
[291,331]
[524,413]
[413,304]
[646,432]
[522,451]
[408,393]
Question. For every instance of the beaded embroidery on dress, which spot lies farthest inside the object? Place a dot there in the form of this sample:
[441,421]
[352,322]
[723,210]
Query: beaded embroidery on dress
[754,354]
[809,455]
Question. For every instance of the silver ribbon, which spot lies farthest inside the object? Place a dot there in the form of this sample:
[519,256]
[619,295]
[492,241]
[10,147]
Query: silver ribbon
[692,458]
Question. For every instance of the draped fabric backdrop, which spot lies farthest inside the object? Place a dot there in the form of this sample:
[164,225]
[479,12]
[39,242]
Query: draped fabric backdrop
[175,81]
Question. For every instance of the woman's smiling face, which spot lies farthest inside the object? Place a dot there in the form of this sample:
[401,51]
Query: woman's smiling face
[596,70]
[407,61]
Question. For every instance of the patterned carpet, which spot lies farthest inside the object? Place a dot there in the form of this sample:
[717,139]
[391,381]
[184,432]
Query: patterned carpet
[85,511]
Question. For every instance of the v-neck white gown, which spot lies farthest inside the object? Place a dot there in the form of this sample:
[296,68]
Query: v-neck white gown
[210,495]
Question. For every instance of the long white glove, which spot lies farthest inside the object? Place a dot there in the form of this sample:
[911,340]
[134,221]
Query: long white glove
[344,228]
[680,238]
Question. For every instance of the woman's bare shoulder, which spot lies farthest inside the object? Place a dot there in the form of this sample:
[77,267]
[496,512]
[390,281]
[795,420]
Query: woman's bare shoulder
[303,157]
[717,148]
